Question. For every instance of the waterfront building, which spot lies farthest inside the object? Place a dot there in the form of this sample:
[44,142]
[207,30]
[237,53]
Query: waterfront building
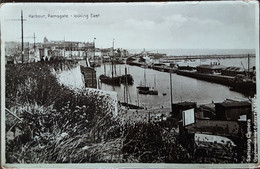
[233,111]
[48,50]
[106,51]
[98,54]
[214,114]
[68,49]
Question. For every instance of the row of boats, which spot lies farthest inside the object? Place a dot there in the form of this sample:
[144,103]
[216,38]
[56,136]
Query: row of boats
[127,79]
[117,80]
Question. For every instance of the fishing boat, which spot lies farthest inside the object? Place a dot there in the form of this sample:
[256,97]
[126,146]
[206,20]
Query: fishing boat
[116,81]
[142,88]
[128,77]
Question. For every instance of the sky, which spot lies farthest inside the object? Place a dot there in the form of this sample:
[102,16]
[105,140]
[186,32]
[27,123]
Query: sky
[161,25]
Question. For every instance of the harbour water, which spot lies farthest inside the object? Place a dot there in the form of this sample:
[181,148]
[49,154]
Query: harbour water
[184,88]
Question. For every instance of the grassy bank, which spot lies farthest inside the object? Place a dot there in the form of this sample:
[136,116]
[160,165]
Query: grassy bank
[55,121]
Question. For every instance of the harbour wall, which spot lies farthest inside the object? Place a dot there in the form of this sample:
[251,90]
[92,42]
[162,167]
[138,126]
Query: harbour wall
[224,80]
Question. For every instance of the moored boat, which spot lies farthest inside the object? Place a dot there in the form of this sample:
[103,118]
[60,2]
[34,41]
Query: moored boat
[127,79]
[116,81]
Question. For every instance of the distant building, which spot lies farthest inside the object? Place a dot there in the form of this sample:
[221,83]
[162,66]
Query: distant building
[106,53]
[55,50]
[122,53]
[68,50]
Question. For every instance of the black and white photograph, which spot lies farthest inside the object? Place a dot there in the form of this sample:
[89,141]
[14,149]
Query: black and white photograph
[130,83]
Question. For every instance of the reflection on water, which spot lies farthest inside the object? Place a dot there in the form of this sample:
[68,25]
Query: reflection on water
[184,88]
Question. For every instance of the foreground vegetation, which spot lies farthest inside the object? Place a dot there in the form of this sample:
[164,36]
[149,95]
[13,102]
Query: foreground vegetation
[58,125]
[54,120]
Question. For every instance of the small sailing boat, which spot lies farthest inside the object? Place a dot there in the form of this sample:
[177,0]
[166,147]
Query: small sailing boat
[143,89]
[153,91]
[127,95]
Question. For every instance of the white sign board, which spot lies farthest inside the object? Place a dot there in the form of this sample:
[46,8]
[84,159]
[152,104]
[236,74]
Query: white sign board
[188,117]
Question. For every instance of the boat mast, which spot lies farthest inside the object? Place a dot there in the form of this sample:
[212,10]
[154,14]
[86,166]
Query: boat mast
[65,48]
[119,68]
[244,69]
[112,69]
[113,59]
[248,62]
[154,81]
[171,87]
[70,49]
[137,98]
[144,76]
[126,85]
[34,42]
[105,69]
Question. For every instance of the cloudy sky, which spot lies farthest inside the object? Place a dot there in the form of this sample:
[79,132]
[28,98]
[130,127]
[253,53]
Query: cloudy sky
[196,25]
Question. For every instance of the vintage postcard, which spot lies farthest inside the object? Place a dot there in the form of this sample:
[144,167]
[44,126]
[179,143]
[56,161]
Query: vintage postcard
[151,84]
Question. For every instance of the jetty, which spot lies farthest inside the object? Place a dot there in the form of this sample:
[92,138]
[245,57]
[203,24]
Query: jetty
[216,78]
